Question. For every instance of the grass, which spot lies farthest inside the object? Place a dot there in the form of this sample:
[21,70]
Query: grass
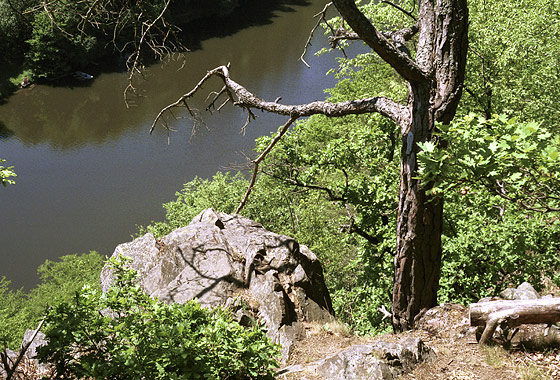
[494,356]
[532,372]
[333,327]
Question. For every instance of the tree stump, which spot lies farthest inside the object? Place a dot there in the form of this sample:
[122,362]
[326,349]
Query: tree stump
[512,314]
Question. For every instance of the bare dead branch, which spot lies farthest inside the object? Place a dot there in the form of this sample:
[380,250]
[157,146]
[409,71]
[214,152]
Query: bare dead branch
[261,157]
[247,100]
[408,13]
[217,95]
[182,101]
[321,18]
[353,228]
[291,181]
[146,28]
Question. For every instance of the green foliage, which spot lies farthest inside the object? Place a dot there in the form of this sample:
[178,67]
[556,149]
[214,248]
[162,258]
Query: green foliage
[518,161]
[513,59]
[490,244]
[223,193]
[60,280]
[6,173]
[52,51]
[498,176]
[12,322]
[124,333]
[14,29]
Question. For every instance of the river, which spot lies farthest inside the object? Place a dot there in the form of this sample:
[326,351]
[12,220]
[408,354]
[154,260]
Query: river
[89,172]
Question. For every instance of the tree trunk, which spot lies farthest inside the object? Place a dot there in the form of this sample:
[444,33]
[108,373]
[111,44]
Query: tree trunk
[441,53]
[417,260]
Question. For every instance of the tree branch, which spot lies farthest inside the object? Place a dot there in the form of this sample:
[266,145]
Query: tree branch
[322,18]
[247,100]
[261,157]
[408,13]
[398,59]
[330,193]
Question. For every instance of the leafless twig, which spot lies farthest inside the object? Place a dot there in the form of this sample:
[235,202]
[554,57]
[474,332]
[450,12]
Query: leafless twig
[408,13]
[322,18]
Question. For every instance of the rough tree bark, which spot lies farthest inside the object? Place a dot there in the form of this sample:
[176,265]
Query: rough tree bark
[435,76]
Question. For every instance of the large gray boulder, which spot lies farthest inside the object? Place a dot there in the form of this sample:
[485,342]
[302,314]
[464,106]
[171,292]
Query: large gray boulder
[221,259]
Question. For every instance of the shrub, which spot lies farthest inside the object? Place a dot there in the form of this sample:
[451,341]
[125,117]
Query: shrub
[60,280]
[126,334]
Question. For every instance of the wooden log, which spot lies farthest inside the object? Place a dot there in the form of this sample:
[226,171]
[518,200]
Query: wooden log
[513,313]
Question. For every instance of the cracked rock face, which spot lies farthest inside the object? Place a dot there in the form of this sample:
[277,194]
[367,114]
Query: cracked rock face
[219,258]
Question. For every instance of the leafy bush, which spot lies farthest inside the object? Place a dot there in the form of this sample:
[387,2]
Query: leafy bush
[126,334]
[501,184]
[489,244]
[60,280]
[518,161]
[12,322]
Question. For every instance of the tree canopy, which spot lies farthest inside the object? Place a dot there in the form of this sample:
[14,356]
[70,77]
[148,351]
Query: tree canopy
[468,184]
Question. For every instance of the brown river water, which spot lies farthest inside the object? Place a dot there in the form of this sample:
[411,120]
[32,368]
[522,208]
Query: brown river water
[88,170]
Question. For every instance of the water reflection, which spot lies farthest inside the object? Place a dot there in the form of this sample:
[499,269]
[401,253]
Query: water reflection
[88,172]
[5,133]
[71,117]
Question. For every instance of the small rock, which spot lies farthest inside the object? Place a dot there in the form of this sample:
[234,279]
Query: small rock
[523,292]
[373,361]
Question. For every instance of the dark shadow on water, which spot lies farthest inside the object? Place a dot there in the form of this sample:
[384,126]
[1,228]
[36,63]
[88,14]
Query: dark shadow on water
[70,82]
[5,133]
[250,13]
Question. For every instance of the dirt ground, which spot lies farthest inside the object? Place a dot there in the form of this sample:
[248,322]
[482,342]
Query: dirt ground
[532,356]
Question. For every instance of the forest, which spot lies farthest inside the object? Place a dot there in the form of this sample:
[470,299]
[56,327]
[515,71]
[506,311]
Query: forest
[332,183]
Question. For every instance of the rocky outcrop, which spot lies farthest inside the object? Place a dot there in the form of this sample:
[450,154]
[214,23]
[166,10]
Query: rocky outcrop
[372,361]
[221,259]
